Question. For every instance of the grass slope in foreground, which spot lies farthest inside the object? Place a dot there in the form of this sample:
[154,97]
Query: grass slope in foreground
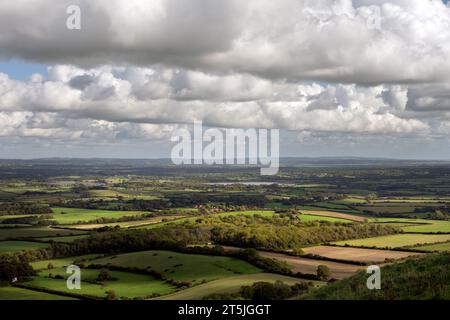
[416,279]
[13,293]
[182,267]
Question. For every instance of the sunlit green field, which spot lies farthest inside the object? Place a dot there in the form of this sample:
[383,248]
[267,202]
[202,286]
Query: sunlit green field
[419,225]
[13,293]
[309,217]
[125,284]
[75,215]
[397,240]
[64,262]
[179,266]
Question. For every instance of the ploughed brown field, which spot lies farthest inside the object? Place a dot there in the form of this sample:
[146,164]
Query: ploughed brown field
[333,214]
[358,254]
[306,265]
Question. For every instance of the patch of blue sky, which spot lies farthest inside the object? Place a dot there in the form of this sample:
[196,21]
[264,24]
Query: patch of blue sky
[21,70]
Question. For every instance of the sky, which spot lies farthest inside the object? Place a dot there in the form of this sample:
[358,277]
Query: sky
[337,77]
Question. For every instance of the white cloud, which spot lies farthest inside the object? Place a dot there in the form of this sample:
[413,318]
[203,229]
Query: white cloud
[329,40]
[137,69]
[161,95]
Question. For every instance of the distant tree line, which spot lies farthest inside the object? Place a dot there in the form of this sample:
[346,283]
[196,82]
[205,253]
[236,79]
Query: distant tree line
[23,208]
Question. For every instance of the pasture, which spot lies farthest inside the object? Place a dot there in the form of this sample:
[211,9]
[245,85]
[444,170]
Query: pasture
[15,293]
[397,240]
[182,267]
[17,246]
[126,285]
[419,225]
[310,217]
[75,215]
[357,254]
[64,262]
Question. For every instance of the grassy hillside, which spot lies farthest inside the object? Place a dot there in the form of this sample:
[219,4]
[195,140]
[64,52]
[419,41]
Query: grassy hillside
[416,279]
[13,293]
[126,285]
[180,266]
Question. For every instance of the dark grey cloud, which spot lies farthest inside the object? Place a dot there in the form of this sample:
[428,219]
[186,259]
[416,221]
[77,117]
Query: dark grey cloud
[327,40]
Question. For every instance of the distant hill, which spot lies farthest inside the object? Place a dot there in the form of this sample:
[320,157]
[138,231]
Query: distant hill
[416,279]
[284,161]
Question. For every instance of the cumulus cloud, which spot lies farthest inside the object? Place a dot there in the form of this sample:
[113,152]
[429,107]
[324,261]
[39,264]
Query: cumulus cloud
[139,69]
[365,42]
[130,102]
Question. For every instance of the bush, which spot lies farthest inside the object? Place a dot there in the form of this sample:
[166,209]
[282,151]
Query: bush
[111,295]
[323,273]
[104,275]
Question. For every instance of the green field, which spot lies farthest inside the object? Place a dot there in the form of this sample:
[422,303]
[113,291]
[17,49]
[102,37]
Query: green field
[126,285]
[227,285]
[419,225]
[14,293]
[247,213]
[397,240]
[75,215]
[14,216]
[16,246]
[310,217]
[64,262]
[386,209]
[434,226]
[436,247]
[64,239]
[35,232]
[182,267]
[350,200]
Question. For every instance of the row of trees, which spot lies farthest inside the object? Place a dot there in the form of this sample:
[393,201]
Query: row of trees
[16,208]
